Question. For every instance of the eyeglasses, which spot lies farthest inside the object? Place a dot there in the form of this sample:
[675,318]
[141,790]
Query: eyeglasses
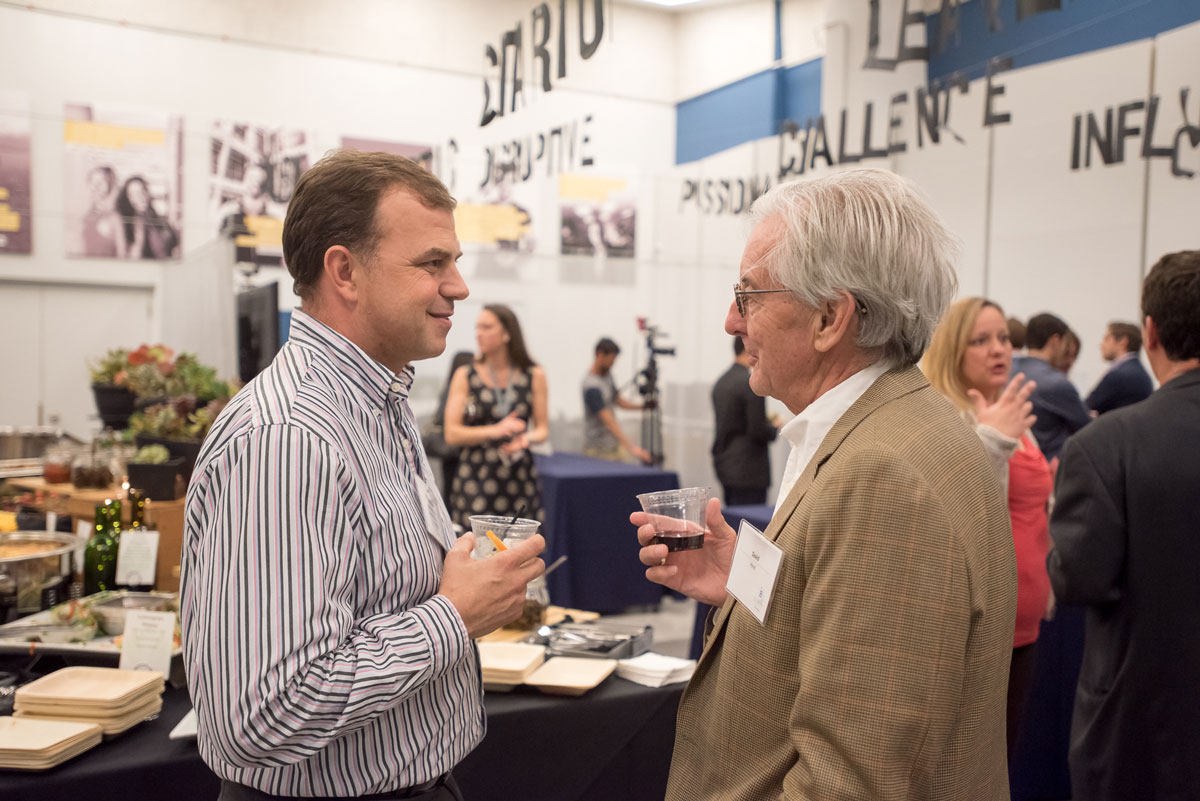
[739,297]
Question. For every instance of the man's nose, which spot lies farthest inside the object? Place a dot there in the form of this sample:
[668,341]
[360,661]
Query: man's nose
[735,324]
[455,287]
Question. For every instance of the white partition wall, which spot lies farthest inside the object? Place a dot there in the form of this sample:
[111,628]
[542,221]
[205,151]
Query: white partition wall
[1065,241]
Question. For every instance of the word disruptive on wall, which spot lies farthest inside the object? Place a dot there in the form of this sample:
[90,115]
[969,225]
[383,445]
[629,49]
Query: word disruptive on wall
[562,148]
[509,62]
[1110,144]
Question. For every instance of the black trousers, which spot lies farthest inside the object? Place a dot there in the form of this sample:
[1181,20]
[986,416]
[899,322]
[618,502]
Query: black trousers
[1020,683]
[744,496]
[445,789]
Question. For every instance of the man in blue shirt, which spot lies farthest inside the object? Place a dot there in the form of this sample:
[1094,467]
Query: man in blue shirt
[1060,412]
[1126,381]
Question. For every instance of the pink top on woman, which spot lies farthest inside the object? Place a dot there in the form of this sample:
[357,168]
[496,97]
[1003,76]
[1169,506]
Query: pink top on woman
[1029,486]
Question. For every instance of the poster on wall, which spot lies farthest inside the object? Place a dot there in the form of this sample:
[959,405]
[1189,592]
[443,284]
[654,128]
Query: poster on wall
[252,175]
[124,188]
[419,153]
[15,184]
[599,223]
[496,228]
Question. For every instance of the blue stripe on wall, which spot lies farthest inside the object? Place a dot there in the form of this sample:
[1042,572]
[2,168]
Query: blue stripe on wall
[744,110]
[801,92]
[1080,26]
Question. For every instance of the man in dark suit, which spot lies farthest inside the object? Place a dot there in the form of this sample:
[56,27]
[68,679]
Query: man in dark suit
[1059,409]
[1127,545]
[743,432]
[1126,381]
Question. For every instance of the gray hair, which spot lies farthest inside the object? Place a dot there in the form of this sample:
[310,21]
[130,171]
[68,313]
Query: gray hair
[868,232]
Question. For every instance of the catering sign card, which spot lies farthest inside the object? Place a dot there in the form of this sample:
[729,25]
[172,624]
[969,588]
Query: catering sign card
[137,558]
[148,641]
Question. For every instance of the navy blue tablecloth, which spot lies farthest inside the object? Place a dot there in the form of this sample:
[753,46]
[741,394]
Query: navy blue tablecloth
[757,515]
[587,504]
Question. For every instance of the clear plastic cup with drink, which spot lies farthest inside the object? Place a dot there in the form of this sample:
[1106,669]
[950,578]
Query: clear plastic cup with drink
[503,528]
[677,517]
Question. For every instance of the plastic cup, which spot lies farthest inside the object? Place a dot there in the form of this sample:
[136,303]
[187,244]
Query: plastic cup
[677,517]
[505,528]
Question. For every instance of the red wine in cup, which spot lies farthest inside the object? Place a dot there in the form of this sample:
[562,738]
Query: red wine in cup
[680,539]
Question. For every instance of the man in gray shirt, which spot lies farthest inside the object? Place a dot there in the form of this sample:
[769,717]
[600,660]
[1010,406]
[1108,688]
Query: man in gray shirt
[602,434]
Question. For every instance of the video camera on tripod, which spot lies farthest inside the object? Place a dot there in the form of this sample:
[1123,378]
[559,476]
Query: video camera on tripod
[647,384]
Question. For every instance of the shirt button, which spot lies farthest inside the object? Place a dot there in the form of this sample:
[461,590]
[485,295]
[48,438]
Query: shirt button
[396,387]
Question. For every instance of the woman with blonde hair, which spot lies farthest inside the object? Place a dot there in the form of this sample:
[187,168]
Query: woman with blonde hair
[969,361]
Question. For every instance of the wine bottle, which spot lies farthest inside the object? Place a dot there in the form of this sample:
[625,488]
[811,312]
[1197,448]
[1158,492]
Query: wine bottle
[100,554]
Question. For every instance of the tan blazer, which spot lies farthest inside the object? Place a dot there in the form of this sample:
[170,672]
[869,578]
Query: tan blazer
[882,669]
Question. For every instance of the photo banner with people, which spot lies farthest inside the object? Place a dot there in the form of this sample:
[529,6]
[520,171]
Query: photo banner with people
[15,231]
[599,223]
[123,177]
[251,179]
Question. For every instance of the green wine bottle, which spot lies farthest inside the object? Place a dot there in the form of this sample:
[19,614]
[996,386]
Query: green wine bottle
[100,555]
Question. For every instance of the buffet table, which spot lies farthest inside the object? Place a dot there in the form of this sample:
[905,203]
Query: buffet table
[587,503]
[612,743]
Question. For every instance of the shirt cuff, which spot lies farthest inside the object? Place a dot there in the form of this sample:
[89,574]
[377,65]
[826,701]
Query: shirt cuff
[445,630]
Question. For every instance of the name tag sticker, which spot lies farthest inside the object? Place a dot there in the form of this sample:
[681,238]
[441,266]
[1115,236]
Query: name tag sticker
[755,568]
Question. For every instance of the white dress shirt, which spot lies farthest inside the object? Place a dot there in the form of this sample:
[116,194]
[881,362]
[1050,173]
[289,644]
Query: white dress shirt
[806,430]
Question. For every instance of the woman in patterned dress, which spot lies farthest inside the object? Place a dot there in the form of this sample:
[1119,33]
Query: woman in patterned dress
[496,409]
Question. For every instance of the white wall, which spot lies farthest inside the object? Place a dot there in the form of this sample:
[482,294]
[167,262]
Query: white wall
[720,44]
[627,88]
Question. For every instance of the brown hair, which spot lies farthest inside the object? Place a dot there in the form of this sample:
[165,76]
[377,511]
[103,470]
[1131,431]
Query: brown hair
[1119,330]
[518,356]
[335,203]
[1016,333]
[942,364]
[1171,298]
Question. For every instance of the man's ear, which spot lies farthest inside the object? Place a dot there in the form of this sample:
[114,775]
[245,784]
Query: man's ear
[1150,335]
[342,272]
[835,322]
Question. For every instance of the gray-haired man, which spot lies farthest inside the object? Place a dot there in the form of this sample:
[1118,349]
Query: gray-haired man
[874,664]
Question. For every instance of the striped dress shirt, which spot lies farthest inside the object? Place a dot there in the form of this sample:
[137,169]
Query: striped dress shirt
[320,658]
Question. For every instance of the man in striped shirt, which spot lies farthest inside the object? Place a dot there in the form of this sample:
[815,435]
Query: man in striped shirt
[328,612]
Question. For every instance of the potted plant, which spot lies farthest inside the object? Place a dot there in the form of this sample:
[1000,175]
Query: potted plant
[179,425]
[114,398]
[149,372]
[154,472]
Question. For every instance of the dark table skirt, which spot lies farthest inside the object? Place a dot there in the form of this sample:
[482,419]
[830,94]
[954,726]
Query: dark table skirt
[611,744]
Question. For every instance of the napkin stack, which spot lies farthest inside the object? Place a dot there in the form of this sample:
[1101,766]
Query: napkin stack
[655,670]
[114,700]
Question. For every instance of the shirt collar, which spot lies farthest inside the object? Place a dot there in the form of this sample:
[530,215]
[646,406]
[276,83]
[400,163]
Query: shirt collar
[373,378]
[820,415]
[1124,357]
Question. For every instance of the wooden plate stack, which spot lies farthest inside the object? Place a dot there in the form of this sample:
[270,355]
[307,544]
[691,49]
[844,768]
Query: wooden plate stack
[507,664]
[114,700]
[31,744]
[571,675]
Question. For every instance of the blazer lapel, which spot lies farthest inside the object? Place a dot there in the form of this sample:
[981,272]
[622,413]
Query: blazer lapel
[893,384]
